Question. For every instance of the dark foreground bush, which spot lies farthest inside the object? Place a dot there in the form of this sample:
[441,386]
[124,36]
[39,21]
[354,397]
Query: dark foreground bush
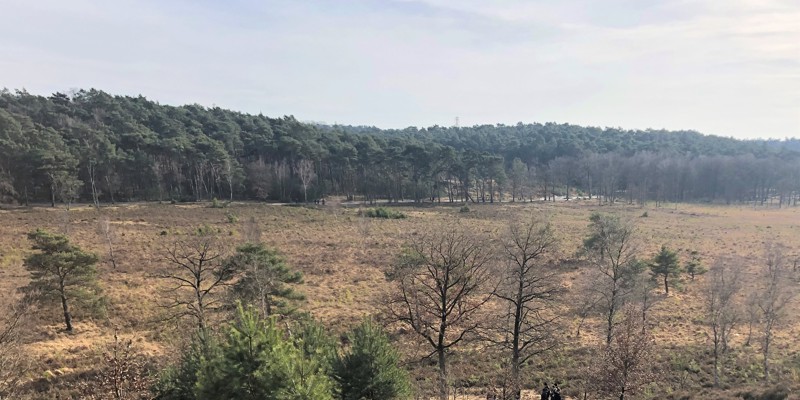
[776,393]
[381,212]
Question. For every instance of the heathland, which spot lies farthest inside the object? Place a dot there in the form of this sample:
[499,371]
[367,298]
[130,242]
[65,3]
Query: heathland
[345,256]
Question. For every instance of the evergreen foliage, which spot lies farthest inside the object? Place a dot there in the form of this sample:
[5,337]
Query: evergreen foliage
[266,281]
[257,361]
[61,270]
[177,382]
[369,369]
[665,266]
[382,212]
[85,145]
[315,342]
[694,266]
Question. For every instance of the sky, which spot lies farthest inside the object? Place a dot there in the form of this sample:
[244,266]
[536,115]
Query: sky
[723,67]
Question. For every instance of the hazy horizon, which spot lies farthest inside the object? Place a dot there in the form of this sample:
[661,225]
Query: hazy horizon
[729,70]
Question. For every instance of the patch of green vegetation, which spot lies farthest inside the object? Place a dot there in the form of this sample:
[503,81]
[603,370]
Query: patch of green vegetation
[205,229]
[464,209]
[777,393]
[217,204]
[381,212]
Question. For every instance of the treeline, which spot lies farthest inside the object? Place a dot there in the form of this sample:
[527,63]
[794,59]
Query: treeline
[92,146]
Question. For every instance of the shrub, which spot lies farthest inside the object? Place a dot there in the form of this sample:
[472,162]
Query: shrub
[370,369]
[176,382]
[216,204]
[232,218]
[381,212]
[205,230]
[464,209]
[776,393]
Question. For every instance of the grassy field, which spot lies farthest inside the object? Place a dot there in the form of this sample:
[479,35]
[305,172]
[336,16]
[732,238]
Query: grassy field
[344,255]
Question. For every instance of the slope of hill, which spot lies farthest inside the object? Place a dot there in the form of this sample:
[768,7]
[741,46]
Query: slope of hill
[92,146]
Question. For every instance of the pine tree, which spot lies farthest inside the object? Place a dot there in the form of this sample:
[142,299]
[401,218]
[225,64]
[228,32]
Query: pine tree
[665,265]
[60,269]
[266,280]
[177,382]
[370,369]
[315,342]
[694,267]
[256,361]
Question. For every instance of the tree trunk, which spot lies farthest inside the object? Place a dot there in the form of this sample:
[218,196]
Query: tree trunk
[716,360]
[92,181]
[766,357]
[515,386]
[610,318]
[111,250]
[230,187]
[65,306]
[610,325]
[110,190]
[443,392]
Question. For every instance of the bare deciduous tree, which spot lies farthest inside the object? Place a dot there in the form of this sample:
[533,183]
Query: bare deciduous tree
[230,174]
[721,313]
[281,169]
[753,315]
[305,170]
[123,374]
[106,230]
[251,231]
[528,288]
[773,298]
[585,301]
[259,175]
[643,296]
[625,363]
[364,228]
[91,169]
[611,249]
[442,282]
[13,362]
[198,275]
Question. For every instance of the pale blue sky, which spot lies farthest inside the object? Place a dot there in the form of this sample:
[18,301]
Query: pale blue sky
[725,67]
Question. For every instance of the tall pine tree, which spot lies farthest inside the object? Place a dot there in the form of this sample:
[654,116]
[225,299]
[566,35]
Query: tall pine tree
[665,266]
[60,269]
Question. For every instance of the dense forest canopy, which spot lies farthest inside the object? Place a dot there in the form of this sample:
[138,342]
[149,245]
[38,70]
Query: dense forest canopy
[93,146]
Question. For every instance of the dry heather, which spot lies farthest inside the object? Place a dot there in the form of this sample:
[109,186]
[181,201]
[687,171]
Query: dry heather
[343,257]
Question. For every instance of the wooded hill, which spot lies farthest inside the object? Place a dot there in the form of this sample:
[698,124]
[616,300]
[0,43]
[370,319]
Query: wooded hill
[92,146]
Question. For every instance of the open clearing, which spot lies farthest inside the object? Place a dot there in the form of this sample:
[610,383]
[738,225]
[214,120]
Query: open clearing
[343,257]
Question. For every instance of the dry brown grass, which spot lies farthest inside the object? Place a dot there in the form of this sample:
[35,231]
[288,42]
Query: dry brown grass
[343,257]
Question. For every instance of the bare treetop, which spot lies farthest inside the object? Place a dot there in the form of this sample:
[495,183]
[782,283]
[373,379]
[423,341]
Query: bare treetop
[443,280]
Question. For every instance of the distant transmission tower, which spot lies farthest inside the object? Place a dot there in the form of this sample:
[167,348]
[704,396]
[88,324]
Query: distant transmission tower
[456,122]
